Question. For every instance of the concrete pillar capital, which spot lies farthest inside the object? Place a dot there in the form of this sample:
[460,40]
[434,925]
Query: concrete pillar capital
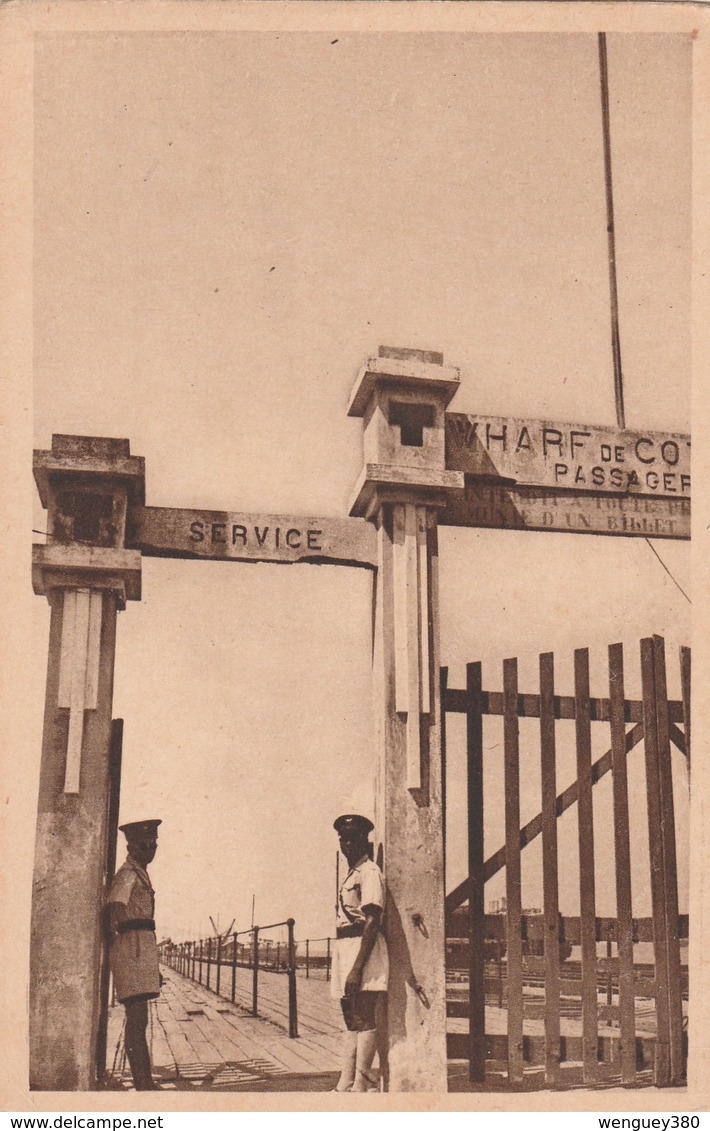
[86,483]
[401,396]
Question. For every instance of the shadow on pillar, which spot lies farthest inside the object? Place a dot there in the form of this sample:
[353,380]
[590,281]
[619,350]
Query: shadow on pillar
[114,798]
[406,979]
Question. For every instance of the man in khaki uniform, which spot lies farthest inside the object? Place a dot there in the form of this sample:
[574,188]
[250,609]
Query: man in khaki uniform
[360,962]
[134,949]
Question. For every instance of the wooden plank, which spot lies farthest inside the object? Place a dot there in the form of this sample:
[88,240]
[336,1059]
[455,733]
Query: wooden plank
[662,1066]
[443,681]
[200,1036]
[622,863]
[253,1038]
[685,695]
[160,1055]
[533,928]
[512,871]
[534,827]
[548,771]
[667,831]
[230,1042]
[510,507]
[585,825]
[476,910]
[181,1050]
[529,706]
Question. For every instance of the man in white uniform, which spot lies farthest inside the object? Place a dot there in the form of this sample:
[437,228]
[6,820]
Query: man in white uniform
[360,962]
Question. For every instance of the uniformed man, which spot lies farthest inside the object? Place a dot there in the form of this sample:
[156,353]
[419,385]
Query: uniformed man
[134,948]
[360,962]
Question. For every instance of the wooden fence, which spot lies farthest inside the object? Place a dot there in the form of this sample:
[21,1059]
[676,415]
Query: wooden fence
[654,720]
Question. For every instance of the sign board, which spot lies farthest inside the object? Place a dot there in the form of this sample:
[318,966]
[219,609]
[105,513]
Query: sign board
[530,508]
[231,536]
[580,457]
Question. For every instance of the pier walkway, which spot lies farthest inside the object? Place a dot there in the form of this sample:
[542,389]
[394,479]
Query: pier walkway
[201,1042]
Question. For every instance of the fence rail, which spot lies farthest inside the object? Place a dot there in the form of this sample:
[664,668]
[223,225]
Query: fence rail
[204,961]
[315,957]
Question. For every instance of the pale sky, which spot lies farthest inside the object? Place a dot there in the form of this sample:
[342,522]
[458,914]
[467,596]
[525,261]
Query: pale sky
[226,226]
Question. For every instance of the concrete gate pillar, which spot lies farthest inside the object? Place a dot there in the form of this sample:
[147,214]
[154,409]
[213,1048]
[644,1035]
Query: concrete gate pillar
[402,396]
[85,483]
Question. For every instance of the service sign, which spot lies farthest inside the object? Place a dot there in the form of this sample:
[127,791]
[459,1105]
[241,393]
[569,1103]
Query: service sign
[232,536]
[578,457]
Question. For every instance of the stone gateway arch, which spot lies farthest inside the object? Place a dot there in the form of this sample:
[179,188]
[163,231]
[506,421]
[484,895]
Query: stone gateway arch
[423,467]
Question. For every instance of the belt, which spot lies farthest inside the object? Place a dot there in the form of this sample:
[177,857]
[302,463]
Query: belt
[136,925]
[352,931]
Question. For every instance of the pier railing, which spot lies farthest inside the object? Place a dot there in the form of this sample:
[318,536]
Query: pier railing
[214,962]
[314,957]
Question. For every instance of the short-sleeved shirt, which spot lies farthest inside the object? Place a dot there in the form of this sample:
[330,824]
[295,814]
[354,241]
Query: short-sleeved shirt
[363,887]
[134,953]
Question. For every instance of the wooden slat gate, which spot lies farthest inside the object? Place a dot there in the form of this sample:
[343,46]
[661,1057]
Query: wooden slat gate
[606,990]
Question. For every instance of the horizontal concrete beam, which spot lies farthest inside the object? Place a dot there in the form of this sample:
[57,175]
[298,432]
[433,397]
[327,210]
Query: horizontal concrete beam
[175,532]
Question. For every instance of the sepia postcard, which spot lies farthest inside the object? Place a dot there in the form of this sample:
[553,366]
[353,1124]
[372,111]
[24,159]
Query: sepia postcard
[350,607]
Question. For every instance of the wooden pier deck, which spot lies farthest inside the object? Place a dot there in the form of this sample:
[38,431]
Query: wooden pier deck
[200,1041]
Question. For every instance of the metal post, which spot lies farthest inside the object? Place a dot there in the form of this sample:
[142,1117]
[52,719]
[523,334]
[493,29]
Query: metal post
[200,978]
[255,973]
[327,960]
[611,240]
[209,961]
[308,972]
[234,967]
[292,1002]
[476,916]
[219,964]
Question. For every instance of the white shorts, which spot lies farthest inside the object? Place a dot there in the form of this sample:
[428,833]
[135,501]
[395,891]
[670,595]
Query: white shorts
[376,973]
